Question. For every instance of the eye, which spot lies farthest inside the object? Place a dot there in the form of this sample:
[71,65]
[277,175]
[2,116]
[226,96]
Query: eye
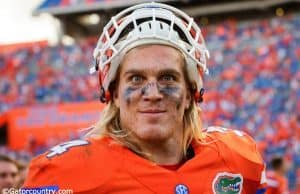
[168,78]
[136,79]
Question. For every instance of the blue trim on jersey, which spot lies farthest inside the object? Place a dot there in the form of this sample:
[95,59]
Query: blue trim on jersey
[261,191]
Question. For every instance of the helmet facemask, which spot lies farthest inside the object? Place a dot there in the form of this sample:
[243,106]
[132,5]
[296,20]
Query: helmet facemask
[150,23]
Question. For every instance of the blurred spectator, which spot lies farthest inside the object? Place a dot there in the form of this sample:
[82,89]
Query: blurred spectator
[8,173]
[277,182]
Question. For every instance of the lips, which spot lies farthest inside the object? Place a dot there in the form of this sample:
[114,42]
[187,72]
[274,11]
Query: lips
[152,115]
[152,111]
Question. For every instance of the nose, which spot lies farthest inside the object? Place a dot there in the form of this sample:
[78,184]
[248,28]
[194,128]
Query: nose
[151,92]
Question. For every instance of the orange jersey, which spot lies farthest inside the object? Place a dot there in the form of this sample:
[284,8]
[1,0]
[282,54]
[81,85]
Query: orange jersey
[276,184]
[227,161]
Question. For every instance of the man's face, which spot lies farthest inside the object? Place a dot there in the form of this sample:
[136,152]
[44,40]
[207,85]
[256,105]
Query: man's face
[8,175]
[152,93]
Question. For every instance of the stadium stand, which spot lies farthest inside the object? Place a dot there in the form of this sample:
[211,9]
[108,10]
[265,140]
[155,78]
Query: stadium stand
[253,84]
[57,7]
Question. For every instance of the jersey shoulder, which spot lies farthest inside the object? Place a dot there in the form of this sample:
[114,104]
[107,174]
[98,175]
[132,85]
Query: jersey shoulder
[238,142]
[67,165]
[238,150]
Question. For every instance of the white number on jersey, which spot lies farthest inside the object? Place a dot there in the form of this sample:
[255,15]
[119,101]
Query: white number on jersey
[61,148]
[223,130]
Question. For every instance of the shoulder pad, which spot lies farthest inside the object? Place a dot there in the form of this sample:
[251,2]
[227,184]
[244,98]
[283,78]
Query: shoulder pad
[75,164]
[238,149]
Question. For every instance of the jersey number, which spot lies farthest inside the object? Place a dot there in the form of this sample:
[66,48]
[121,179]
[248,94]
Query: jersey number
[223,130]
[61,148]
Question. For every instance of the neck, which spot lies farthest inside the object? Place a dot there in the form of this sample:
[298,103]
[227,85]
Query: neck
[167,152]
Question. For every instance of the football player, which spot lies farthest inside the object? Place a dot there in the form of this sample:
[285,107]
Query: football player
[151,59]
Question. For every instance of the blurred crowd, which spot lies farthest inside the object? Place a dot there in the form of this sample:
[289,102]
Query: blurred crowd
[64,3]
[44,75]
[253,84]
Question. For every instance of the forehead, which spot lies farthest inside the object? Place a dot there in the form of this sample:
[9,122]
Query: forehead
[153,58]
[7,167]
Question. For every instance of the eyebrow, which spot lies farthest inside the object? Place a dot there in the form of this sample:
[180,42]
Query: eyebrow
[170,71]
[164,71]
[134,71]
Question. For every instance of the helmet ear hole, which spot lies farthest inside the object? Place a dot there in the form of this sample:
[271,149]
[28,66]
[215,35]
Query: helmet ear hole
[104,95]
[198,96]
[107,96]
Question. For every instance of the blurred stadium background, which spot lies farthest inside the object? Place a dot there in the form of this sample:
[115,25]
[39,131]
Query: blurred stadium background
[48,96]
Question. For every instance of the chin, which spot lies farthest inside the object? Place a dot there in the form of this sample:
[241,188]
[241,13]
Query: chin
[152,133]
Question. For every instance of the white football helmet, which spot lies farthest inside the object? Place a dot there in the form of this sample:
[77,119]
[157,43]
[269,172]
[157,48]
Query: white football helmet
[149,23]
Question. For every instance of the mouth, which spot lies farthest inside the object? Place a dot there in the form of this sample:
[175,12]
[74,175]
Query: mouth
[152,111]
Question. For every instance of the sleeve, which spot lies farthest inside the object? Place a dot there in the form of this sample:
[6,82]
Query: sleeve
[241,154]
[54,167]
[34,173]
[74,165]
